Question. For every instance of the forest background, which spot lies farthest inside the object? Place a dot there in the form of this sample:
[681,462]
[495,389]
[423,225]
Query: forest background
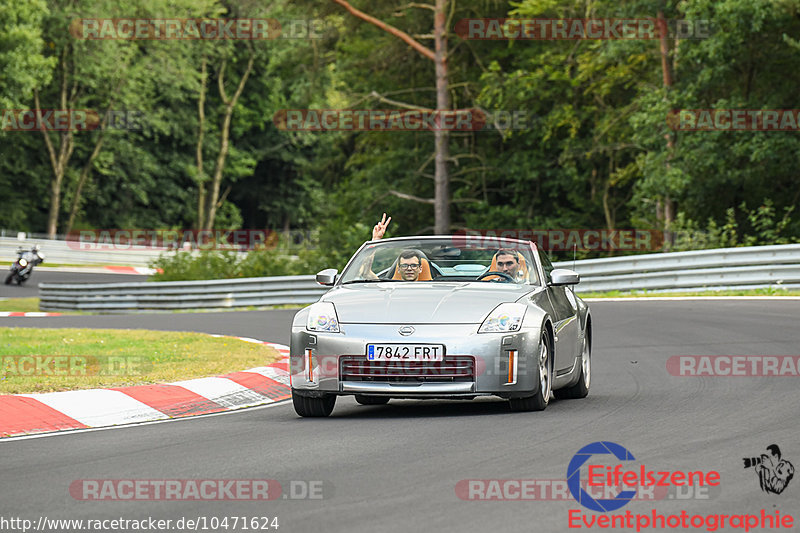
[592,148]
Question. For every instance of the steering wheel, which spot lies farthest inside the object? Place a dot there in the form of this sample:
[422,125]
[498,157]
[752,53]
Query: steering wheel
[506,277]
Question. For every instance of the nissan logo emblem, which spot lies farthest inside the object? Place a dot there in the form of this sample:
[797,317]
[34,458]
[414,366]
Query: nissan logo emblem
[406,330]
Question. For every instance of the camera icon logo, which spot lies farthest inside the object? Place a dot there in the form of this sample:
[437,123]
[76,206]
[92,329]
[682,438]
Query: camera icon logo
[774,472]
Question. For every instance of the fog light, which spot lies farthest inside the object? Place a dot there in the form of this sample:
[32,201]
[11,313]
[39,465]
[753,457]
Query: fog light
[309,366]
[512,367]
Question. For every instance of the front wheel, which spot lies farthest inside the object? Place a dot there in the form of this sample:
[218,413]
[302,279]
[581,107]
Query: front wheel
[308,406]
[539,401]
[9,278]
[371,400]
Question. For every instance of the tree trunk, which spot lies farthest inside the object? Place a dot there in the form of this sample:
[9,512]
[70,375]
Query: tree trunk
[442,138]
[201,124]
[219,166]
[441,201]
[58,161]
[224,142]
[55,203]
[87,169]
[666,74]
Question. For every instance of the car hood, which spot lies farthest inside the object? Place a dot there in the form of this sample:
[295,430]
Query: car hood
[420,303]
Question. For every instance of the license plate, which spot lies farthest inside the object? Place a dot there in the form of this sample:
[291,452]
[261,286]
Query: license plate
[405,352]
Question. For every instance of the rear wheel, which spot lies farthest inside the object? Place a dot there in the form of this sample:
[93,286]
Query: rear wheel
[538,401]
[308,406]
[581,388]
[371,400]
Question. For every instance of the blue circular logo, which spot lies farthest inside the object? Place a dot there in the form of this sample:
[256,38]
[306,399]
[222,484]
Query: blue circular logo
[574,476]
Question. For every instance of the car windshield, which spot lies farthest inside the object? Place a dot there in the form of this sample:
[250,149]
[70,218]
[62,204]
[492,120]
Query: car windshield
[446,259]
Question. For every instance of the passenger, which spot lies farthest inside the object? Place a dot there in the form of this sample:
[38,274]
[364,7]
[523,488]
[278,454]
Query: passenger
[410,265]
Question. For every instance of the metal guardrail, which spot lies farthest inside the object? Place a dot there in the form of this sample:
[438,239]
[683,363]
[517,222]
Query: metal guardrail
[206,294]
[726,268]
[700,270]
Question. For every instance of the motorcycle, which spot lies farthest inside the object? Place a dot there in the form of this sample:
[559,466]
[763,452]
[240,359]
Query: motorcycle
[22,268]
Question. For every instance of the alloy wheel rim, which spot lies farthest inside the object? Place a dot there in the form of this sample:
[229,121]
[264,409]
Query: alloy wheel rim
[586,362]
[544,375]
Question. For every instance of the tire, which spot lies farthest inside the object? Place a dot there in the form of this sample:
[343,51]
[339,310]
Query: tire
[9,278]
[539,401]
[581,388]
[316,407]
[371,400]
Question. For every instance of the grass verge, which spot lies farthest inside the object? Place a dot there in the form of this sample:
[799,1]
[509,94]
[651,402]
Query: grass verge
[29,305]
[100,358]
[47,265]
[17,305]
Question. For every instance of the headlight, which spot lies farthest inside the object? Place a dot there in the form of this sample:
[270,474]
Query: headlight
[23,262]
[322,317]
[504,318]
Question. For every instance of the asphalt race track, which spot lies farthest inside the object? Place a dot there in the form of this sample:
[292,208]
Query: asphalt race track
[270,326]
[396,467]
[30,289]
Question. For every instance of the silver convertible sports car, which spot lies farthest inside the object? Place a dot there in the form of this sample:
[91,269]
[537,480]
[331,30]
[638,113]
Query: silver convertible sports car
[448,317]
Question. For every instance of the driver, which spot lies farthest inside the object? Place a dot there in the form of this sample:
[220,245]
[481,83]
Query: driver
[508,262]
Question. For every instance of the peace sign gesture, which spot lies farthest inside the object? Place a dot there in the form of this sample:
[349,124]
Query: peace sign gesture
[380,228]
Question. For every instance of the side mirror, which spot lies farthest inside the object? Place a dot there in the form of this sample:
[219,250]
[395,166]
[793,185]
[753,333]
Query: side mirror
[327,276]
[563,276]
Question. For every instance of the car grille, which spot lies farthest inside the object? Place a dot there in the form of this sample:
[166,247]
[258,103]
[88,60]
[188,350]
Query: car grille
[453,368]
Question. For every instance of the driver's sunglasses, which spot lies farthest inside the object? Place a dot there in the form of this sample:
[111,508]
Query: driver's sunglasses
[409,266]
[507,264]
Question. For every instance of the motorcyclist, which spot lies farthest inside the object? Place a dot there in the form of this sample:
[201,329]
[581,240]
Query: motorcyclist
[23,267]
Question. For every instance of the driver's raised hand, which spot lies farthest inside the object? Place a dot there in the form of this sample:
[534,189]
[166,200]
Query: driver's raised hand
[380,228]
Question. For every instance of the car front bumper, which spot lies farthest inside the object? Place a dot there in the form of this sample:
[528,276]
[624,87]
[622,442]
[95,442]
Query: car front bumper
[475,364]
